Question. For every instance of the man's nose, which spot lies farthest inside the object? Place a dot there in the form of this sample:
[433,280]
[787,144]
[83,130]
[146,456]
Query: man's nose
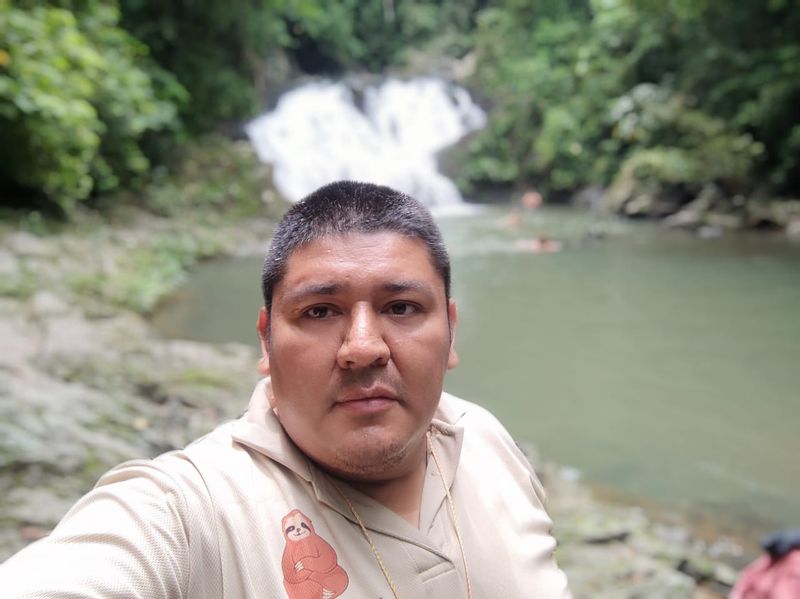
[363,344]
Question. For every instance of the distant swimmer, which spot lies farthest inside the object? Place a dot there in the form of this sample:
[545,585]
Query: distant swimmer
[515,218]
[539,245]
[531,199]
[512,220]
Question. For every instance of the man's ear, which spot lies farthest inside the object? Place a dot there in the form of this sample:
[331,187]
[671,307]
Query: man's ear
[452,358]
[262,326]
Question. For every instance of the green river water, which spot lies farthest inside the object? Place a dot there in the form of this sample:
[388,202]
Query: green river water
[660,365]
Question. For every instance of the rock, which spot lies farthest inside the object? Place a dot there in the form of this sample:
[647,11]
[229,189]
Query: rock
[725,220]
[639,205]
[641,188]
[619,572]
[710,196]
[725,548]
[39,507]
[58,427]
[589,197]
[609,537]
[709,232]
[23,243]
[700,569]
[785,212]
[465,67]
[45,304]
[710,573]
[71,333]
[725,574]
[793,229]
[603,526]
[674,536]
[685,219]
[20,339]
[9,265]
[73,410]
[699,212]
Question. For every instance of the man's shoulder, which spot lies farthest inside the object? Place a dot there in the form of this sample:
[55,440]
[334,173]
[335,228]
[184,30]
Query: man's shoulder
[217,444]
[217,454]
[481,428]
[173,471]
[214,471]
[487,445]
[180,469]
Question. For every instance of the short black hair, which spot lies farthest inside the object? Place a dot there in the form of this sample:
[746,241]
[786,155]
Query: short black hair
[347,207]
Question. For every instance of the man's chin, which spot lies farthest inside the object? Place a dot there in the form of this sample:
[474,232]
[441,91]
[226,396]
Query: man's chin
[371,462]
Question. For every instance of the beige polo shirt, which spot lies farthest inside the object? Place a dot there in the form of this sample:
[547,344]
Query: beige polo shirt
[242,513]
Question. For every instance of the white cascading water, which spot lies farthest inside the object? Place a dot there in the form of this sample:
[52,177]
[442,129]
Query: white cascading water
[317,134]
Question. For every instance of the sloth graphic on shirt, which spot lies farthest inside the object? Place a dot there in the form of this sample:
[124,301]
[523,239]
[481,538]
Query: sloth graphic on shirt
[310,566]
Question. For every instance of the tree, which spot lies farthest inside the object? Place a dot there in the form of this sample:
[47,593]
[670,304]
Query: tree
[77,99]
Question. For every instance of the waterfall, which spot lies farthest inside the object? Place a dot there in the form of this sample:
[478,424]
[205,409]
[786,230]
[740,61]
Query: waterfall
[387,134]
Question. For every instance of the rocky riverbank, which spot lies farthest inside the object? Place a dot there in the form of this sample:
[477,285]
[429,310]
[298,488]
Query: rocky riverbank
[616,550]
[86,384]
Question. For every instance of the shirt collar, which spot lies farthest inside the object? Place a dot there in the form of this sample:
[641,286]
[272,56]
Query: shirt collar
[259,429]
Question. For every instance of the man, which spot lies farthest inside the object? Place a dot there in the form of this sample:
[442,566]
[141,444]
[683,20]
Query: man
[351,474]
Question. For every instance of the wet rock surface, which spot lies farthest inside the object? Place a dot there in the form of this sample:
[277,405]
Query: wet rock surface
[85,385]
[619,551]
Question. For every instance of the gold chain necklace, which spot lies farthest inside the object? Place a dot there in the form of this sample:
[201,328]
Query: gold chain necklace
[450,505]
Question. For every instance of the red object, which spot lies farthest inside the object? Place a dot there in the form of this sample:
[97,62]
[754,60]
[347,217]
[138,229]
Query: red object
[768,578]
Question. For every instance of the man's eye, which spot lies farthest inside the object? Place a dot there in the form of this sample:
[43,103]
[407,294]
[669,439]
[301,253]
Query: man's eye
[402,309]
[319,312]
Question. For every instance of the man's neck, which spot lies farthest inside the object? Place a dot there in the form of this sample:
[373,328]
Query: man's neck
[402,495]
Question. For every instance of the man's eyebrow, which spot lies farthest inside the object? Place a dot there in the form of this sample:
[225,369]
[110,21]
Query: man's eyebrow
[409,285]
[305,291]
[315,289]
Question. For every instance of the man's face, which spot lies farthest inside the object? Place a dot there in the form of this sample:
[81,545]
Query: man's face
[359,342]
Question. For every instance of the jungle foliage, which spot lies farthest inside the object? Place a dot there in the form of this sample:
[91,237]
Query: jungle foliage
[231,55]
[673,94]
[79,99]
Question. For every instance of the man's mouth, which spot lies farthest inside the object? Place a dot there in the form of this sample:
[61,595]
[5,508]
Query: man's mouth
[371,400]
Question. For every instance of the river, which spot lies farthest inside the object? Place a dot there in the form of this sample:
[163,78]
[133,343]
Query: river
[660,365]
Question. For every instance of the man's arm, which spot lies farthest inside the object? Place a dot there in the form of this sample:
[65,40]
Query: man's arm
[126,538]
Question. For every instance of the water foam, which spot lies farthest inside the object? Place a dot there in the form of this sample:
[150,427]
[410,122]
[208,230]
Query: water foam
[318,134]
